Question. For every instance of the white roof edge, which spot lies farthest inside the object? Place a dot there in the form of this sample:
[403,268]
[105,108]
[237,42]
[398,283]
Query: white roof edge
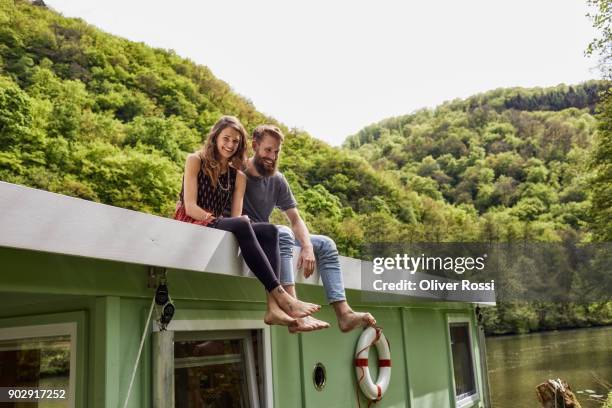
[39,220]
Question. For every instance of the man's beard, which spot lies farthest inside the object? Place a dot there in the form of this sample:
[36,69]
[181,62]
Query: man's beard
[261,168]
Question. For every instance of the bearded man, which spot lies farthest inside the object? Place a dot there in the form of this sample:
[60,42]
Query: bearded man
[266,189]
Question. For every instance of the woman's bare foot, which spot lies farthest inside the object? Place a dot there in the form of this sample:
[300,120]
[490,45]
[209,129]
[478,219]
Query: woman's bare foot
[351,320]
[277,316]
[292,306]
[307,324]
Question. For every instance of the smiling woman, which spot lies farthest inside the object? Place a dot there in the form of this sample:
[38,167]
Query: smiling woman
[212,182]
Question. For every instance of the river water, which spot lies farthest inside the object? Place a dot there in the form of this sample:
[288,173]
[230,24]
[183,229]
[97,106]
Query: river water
[517,364]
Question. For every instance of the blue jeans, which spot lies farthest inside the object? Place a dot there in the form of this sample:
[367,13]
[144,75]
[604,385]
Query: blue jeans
[328,263]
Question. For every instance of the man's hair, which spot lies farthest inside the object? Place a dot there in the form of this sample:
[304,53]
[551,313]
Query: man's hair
[270,130]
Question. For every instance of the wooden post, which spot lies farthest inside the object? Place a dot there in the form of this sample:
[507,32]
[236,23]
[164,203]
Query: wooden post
[556,394]
[163,369]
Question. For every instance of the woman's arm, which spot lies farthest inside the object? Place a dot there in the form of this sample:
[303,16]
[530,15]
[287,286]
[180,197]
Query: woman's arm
[238,194]
[190,189]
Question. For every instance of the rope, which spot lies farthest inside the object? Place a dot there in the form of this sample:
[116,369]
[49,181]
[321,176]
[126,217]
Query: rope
[142,339]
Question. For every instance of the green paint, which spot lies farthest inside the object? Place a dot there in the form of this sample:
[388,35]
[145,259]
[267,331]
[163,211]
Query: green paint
[107,353]
[285,368]
[115,298]
[427,358]
[303,379]
[337,352]
[146,365]
[408,388]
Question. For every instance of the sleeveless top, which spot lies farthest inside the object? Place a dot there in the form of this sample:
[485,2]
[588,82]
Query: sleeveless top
[211,200]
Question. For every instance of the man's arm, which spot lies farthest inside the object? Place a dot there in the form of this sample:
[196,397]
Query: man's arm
[306,260]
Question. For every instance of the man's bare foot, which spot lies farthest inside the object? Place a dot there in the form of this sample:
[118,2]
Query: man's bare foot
[292,306]
[277,316]
[351,320]
[307,324]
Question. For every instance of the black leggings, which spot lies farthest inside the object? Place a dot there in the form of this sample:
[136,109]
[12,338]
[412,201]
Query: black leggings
[259,246]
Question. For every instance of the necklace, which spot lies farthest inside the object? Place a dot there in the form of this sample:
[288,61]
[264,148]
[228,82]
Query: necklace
[226,189]
[227,186]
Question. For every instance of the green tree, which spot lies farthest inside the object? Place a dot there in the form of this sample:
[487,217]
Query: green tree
[601,160]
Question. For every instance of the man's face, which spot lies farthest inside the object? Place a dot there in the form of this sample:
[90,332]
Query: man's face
[267,151]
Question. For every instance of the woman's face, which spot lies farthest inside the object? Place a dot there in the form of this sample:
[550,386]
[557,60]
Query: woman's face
[228,142]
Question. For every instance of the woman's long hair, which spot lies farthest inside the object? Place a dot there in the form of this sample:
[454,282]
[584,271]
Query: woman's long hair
[210,154]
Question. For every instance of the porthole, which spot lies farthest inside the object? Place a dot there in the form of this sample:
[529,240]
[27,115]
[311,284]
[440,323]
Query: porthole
[319,376]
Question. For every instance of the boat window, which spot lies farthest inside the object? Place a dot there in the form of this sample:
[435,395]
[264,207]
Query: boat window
[38,358]
[463,367]
[218,370]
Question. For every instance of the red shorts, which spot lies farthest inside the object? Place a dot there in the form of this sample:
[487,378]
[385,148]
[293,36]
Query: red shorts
[181,215]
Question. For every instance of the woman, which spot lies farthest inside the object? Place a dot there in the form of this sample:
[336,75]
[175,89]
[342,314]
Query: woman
[211,182]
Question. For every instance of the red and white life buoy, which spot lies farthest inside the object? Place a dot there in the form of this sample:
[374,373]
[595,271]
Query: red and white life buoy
[373,336]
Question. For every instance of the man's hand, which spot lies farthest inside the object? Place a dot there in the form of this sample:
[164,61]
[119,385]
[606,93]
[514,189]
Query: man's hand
[306,261]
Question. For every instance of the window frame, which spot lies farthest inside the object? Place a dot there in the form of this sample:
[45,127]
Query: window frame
[469,400]
[236,329]
[61,324]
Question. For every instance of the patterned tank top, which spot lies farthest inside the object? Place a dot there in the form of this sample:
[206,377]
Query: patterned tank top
[217,199]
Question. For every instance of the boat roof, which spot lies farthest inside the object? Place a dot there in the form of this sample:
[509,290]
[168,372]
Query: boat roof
[38,220]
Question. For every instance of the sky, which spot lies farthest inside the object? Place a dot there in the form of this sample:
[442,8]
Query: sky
[331,67]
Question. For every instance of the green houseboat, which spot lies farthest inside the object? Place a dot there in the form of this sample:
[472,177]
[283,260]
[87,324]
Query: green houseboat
[77,283]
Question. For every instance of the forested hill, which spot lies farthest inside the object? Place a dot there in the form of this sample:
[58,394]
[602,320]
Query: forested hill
[94,116]
[585,95]
[515,165]
[518,152]
[91,115]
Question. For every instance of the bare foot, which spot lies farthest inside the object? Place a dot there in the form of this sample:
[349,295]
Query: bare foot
[351,320]
[292,306]
[307,324]
[277,316]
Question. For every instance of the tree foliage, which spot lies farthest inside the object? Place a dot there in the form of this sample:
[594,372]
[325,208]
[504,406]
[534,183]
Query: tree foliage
[601,157]
[94,116]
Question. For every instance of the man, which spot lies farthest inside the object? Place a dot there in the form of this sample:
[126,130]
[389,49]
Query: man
[267,188]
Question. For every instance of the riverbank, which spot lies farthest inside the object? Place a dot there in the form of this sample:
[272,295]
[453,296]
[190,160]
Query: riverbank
[521,362]
[561,329]
[535,317]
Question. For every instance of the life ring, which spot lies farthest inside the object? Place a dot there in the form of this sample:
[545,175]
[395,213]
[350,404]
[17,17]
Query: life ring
[373,336]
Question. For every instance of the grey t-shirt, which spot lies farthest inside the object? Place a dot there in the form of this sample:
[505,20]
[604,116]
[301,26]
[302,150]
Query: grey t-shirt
[264,193]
